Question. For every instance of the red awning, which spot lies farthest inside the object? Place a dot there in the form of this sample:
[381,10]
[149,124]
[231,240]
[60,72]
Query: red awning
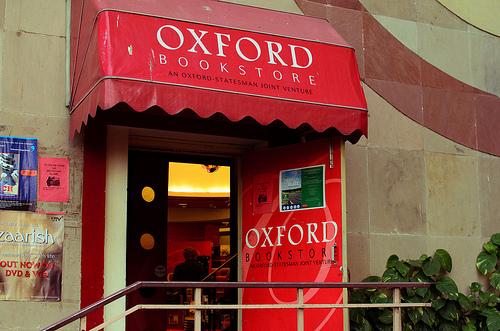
[210,57]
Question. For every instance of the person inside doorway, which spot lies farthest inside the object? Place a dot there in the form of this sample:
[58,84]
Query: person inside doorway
[191,270]
[226,323]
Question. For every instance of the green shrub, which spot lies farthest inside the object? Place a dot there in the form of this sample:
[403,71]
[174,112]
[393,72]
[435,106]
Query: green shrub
[451,310]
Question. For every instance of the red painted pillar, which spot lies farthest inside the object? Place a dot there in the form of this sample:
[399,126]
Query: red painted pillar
[93,219]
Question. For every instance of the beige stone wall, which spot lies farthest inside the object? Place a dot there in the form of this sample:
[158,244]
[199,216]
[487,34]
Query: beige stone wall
[32,104]
[485,17]
[281,5]
[411,191]
[445,40]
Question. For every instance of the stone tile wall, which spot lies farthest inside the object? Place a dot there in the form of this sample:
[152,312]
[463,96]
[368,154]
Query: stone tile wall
[32,104]
[484,17]
[432,73]
[426,26]
[411,191]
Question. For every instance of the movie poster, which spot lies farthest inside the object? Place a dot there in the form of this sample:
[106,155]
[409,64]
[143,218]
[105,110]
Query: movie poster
[18,173]
[31,251]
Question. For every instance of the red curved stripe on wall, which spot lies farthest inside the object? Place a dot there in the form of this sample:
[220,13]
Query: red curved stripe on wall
[418,89]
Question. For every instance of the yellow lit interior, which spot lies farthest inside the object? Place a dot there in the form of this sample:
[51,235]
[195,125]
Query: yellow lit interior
[193,180]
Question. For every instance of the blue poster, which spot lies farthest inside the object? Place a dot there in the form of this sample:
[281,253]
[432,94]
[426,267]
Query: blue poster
[18,173]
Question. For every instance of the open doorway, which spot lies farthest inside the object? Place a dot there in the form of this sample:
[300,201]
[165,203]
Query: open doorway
[199,214]
[178,203]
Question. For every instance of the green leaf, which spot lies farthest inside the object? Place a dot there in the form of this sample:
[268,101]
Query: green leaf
[469,326]
[475,287]
[422,291]
[449,312]
[386,317]
[445,259]
[492,319]
[422,327]
[412,299]
[358,296]
[415,263]
[415,314]
[430,295]
[493,299]
[391,261]
[486,263]
[371,279]
[495,280]
[490,247]
[357,315]
[438,303]
[496,239]
[364,325]
[465,302]
[384,327]
[484,298]
[391,275]
[407,327]
[379,297]
[431,267]
[410,292]
[429,317]
[424,257]
[421,277]
[445,326]
[402,268]
[447,287]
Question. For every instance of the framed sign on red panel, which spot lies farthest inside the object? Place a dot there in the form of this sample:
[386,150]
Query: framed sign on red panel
[292,232]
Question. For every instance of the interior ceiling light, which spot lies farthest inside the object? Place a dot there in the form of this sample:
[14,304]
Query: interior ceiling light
[210,168]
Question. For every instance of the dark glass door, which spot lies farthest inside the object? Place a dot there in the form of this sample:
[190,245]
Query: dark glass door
[169,211]
[146,236]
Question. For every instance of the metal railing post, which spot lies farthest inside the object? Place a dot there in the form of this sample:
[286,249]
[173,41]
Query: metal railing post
[300,310]
[197,312]
[396,312]
[83,323]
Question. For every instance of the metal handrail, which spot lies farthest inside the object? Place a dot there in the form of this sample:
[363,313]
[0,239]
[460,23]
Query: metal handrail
[82,314]
[220,267]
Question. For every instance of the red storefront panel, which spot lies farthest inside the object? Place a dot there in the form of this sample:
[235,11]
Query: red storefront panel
[285,242]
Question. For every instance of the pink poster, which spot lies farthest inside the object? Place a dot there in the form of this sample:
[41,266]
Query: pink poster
[53,180]
[263,194]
